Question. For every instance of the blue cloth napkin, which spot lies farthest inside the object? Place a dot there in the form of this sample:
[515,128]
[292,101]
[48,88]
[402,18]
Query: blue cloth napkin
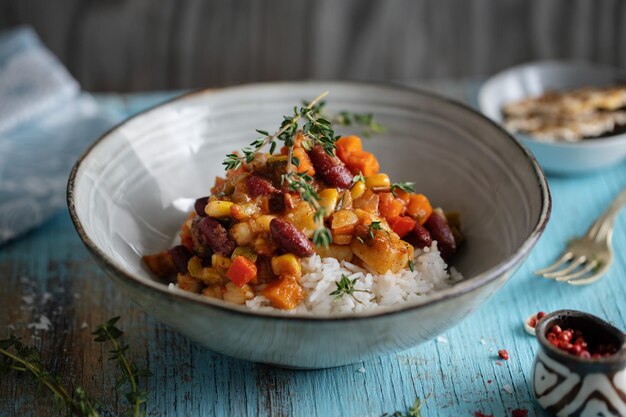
[45,124]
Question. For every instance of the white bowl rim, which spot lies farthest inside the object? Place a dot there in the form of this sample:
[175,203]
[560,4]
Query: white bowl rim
[469,284]
[574,64]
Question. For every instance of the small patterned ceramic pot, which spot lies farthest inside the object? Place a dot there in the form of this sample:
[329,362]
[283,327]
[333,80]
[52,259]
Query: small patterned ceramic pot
[566,385]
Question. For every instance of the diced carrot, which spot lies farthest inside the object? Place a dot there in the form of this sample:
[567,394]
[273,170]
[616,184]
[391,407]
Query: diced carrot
[284,293]
[419,208]
[241,271]
[305,161]
[347,145]
[402,195]
[389,206]
[402,225]
[363,162]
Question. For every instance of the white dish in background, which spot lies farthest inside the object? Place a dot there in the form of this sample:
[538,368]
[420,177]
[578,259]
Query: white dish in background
[535,78]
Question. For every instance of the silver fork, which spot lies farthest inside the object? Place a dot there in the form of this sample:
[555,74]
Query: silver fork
[586,259]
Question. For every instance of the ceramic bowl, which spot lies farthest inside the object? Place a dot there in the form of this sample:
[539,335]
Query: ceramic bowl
[131,191]
[538,77]
[566,385]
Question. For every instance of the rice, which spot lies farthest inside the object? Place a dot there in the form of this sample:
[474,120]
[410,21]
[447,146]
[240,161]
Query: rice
[319,277]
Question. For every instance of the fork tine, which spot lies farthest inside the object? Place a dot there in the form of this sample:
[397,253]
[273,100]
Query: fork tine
[588,280]
[564,258]
[604,267]
[561,272]
[579,274]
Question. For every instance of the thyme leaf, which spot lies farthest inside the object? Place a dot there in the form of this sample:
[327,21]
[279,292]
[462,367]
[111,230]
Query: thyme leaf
[373,226]
[359,177]
[365,120]
[414,411]
[407,187]
[345,286]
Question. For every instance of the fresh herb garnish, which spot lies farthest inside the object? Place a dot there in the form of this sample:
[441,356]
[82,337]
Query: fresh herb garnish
[316,130]
[413,411]
[365,120]
[358,178]
[407,187]
[130,375]
[411,265]
[17,357]
[373,226]
[345,286]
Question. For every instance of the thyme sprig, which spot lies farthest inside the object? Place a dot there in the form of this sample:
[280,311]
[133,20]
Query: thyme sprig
[316,130]
[109,332]
[285,133]
[345,286]
[17,357]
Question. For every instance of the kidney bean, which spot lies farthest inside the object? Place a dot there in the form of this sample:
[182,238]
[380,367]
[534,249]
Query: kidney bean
[200,204]
[290,239]
[216,237]
[180,256]
[441,232]
[199,246]
[420,237]
[332,170]
[276,203]
[258,185]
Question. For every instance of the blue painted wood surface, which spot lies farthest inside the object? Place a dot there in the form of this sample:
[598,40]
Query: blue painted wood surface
[460,374]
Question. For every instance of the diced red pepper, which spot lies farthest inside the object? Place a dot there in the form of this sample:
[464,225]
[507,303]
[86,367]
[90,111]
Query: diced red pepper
[402,225]
[241,271]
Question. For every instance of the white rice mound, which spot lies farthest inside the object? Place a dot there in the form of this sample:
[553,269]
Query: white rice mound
[319,277]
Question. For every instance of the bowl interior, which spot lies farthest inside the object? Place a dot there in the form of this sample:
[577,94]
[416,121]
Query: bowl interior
[133,189]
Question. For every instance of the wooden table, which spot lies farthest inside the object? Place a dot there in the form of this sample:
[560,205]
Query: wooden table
[49,273]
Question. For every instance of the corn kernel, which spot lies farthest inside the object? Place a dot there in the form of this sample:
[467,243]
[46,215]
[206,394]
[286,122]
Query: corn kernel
[377,180]
[328,200]
[287,264]
[243,251]
[263,222]
[218,208]
[357,190]
[243,211]
[220,262]
[211,276]
[194,266]
[303,217]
